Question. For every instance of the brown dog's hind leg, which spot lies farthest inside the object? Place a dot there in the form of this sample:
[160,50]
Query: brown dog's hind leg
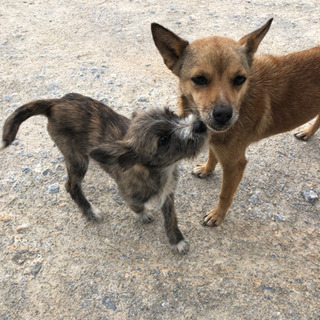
[203,170]
[232,175]
[307,133]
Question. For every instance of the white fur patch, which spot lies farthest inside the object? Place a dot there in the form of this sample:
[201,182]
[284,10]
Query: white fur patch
[97,213]
[181,247]
[167,189]
[145,217]
[186,126]
[3,145]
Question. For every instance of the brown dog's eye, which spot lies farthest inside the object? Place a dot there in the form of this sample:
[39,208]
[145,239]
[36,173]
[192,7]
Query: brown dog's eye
[200,80]
[239,80]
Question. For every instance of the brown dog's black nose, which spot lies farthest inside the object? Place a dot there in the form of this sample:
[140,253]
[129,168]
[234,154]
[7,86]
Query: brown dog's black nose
[222,114]
[199,127]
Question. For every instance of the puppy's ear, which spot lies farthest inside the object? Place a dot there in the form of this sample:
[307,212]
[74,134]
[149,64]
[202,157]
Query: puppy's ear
[251,41]
[169,45]
[115,153]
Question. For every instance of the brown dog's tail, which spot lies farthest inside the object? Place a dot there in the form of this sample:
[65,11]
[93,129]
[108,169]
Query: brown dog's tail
[13,122]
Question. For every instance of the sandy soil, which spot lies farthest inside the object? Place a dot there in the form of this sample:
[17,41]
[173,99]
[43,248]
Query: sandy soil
[262,263]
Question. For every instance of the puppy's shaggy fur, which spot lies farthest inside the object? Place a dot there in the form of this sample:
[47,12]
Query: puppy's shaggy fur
[141,154]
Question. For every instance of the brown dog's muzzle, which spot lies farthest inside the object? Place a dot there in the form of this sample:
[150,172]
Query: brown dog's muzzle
[222,116]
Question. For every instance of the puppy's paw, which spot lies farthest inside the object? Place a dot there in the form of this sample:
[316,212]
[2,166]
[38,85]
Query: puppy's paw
[145,217]
[181,247]
[201,171]
[94,214]
[97,214]
[213,218]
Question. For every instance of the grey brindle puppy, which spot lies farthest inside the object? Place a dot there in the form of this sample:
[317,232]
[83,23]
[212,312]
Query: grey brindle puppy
[141,154]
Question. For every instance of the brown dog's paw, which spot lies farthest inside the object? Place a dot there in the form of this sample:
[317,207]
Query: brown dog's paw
[304,135]
[201,171]
[213,218]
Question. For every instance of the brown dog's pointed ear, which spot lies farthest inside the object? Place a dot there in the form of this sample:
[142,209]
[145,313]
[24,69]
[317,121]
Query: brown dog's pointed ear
[115,152]
[169,45]
[252,40]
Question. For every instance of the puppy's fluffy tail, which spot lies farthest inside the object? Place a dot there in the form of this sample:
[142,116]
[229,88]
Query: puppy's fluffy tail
[13,122]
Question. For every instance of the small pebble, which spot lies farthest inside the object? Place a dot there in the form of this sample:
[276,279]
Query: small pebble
[254,199]
[310,196]
[104,100]
[22,228]
[45,172]
[36,268]
[26,170]
[277,217]
[108,303]
[53,85]
[54,188]
[143,99]
[59,167]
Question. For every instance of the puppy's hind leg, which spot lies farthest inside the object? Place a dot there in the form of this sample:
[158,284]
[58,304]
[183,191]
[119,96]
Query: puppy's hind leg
[307,133]
[77,167]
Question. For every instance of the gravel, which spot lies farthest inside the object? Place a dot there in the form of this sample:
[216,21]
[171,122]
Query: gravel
[262,263]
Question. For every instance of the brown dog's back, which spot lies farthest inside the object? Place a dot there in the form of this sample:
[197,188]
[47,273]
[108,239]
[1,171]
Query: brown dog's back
[278,79]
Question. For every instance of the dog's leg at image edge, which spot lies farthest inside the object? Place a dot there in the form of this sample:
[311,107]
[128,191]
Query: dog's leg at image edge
[307,133]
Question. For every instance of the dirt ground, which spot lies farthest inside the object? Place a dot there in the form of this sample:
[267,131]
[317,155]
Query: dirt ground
[263,262]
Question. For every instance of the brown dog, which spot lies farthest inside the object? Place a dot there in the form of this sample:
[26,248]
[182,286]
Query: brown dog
[141,154]
[242,99]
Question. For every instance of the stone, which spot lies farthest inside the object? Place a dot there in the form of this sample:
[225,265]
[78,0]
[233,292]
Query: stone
[54,188]
[310,196]
[109,303]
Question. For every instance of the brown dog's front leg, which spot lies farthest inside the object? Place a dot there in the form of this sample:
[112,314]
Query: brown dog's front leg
[203,170]
[175,236]
[232,175]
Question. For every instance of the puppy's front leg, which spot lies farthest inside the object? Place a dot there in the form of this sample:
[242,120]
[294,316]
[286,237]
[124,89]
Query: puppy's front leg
[175,236]
[232,175]
[141,213]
